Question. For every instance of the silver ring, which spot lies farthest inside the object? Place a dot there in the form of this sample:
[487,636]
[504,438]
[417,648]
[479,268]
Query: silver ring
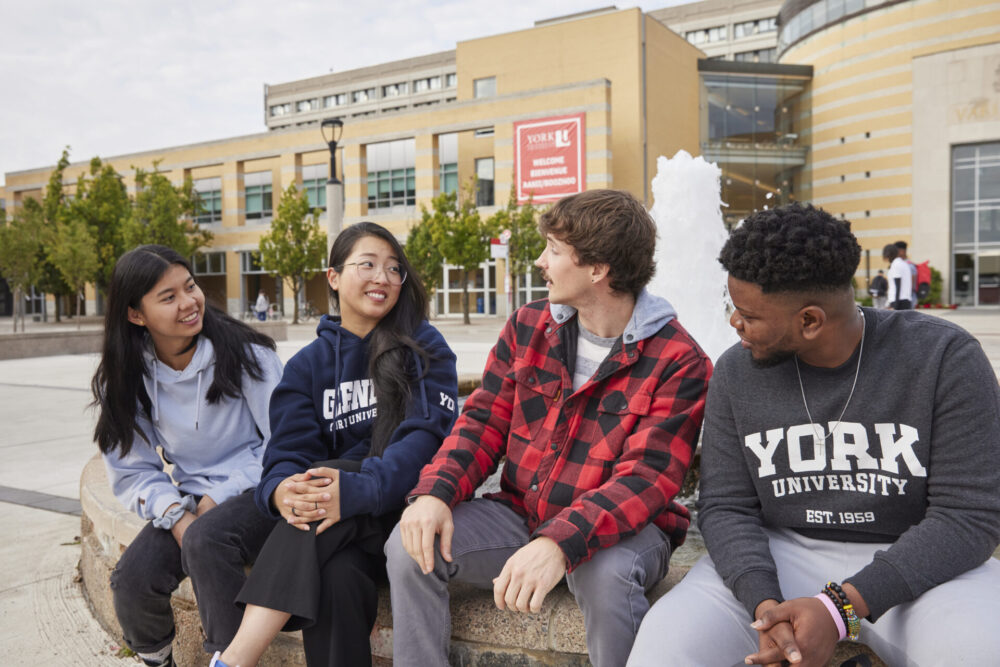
[294,513]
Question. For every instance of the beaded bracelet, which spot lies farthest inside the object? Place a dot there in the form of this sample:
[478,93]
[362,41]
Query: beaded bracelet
[843,604]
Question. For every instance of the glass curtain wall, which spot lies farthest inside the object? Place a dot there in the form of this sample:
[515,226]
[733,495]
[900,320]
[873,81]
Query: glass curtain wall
[751,120]
[392,176]
[975,225]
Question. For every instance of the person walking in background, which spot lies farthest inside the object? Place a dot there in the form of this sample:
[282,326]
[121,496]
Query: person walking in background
[879,290]
[900,289]
[849,473]
[593,398]
[904,255]
[357,413]
[262,306]
[178,374]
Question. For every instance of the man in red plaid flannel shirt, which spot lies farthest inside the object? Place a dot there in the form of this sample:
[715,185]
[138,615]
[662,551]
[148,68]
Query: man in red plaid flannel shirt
[595,397]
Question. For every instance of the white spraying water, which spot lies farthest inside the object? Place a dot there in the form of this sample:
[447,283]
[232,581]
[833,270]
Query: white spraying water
[691,233]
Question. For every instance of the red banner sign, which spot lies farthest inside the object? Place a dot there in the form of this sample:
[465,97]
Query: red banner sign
[549,158]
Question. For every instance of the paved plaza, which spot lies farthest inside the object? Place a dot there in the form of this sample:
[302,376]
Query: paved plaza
[45,440]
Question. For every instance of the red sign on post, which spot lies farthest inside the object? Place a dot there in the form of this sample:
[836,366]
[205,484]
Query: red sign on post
[549,156]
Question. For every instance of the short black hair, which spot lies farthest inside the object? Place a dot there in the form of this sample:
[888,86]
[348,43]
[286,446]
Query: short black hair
[792,248]
[901,245]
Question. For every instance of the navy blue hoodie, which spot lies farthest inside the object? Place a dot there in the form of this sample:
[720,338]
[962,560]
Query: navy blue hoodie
[325,406]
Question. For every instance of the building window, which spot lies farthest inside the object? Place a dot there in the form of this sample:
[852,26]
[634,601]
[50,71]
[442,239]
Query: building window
[758,27]
[484,184]
[448,162]
[450,80]
[281,109]
[975,224]
[257,189]
[483,132]
[307,105]
[209,263]
[394,89]
[337,100]
[707,35]
[392,180]
[209,192]
[426,84]
[486,87]
[756,56]
[366,95]
[314,185]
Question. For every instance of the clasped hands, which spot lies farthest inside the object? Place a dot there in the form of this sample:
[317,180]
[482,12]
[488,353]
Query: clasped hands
[526,578]
[800,631]
[313,495]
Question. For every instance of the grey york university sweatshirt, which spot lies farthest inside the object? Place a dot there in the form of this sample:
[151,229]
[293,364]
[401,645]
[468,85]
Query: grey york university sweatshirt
[915,461]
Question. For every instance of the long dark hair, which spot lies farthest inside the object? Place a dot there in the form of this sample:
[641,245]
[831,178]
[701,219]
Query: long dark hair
[117,385]
[388,363]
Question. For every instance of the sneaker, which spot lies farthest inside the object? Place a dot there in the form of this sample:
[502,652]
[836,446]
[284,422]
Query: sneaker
[166,662]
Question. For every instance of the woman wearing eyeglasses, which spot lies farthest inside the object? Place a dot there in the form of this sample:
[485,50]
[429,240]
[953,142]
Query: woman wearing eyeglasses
[356,415]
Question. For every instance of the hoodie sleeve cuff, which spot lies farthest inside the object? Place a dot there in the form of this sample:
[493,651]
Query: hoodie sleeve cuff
[159,501]
[263,495]
[756,586]
[359,494]
[881,586]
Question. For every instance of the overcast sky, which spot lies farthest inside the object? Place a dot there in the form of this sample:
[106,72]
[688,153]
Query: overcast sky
[120,76]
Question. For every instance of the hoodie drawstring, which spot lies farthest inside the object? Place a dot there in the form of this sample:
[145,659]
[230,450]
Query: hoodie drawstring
[156,393]
[197,402]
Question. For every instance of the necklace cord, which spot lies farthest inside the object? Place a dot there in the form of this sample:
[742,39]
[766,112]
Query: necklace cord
[816,428]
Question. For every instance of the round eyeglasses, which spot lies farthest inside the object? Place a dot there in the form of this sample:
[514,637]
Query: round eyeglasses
[395,274]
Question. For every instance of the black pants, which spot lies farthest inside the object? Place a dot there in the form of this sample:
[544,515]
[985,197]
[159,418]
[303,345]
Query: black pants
[327,582]
[217,546]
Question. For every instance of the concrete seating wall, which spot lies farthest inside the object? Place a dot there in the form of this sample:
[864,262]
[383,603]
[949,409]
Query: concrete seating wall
[482,635]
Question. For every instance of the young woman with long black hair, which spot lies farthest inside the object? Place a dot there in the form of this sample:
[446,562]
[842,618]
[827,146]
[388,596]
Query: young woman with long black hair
[182,376]
[356,415]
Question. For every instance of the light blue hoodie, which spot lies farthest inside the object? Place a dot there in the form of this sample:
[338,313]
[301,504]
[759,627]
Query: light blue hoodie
[216,448]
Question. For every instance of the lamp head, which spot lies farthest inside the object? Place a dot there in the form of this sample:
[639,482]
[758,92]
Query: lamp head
[332,129]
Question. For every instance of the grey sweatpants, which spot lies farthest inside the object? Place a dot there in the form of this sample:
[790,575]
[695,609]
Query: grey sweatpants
[610,588]
[700,622]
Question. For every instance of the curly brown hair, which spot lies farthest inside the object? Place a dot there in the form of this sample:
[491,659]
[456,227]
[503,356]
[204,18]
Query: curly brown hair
[606,227]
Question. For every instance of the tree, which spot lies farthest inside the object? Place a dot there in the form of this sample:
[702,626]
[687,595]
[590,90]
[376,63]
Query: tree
[424,255]
[163,213]
[75,254]
[103,204]
[295,247]
[525,243]
[54,208]
[19,254]
[460,234]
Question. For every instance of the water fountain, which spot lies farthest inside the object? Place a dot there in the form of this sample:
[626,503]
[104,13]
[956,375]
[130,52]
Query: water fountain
[691,233]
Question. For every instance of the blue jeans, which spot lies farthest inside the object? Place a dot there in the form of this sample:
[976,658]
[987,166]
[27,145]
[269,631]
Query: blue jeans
[217,546]
[610,588]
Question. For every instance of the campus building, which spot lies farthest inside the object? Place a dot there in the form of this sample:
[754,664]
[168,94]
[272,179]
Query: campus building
[883,112]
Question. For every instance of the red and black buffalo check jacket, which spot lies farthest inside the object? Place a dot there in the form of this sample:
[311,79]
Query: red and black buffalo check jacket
[586,468]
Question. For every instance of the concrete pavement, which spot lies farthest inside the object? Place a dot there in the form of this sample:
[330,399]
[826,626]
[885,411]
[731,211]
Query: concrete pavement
[45,440]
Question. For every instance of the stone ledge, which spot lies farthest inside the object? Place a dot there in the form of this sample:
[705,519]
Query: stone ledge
[482,635]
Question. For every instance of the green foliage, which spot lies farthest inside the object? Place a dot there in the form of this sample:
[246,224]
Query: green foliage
[295,246]
[163,213]
[54,211]
[102,203]
[19,252]
[75,255]
[458,232]
[423,254]
[525,243]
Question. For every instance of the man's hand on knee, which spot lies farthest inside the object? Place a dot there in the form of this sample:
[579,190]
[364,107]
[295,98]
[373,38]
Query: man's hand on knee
[421,522]
[529,575]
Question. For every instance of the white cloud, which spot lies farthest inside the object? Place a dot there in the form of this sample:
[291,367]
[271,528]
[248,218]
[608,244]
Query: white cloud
[120,76]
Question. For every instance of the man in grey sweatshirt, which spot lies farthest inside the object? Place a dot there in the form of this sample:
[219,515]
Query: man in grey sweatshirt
[850,472]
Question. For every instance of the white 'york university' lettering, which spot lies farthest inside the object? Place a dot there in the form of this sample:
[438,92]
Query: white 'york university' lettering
[807,452]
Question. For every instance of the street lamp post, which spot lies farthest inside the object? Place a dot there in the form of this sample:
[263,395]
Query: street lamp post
[332,129]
